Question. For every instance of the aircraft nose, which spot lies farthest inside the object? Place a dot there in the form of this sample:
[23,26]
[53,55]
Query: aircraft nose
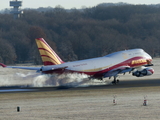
[148,57]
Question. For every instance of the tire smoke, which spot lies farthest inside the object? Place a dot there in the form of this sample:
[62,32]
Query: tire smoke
[44,80]
[71,80]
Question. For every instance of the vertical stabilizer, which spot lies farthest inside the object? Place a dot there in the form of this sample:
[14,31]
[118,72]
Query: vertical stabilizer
[49,57]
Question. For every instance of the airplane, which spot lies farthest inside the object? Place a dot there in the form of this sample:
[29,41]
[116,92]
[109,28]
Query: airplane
[136,61]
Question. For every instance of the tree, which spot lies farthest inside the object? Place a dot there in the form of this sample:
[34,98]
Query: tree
[7,52]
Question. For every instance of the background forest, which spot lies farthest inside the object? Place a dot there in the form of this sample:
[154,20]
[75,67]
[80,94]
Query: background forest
[80,34]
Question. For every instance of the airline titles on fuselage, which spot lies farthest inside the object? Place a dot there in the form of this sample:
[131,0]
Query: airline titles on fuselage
[80,65]
[140,61]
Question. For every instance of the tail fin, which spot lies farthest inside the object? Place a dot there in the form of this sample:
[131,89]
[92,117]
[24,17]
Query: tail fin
[49,57]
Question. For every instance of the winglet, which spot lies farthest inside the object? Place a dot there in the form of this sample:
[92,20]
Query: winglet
[3,65]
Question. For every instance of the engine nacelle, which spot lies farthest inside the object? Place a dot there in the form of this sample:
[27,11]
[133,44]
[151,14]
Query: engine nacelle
[145,72]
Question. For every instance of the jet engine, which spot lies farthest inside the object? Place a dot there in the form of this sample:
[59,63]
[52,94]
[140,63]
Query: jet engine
[144,72]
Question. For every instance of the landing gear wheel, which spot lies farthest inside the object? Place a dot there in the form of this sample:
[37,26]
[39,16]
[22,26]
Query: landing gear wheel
[113,82]
[117,80]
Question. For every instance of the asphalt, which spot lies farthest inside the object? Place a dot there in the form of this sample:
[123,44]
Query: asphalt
[121,84]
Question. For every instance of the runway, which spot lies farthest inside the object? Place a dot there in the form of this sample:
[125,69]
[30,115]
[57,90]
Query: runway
[88,103]
[121,84]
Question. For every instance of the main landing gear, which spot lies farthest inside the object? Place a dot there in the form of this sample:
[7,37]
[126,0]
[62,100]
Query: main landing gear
[115,81]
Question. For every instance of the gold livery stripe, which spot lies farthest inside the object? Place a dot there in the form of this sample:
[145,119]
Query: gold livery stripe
[47,52]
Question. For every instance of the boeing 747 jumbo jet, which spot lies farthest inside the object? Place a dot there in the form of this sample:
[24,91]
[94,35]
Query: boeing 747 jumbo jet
[136,61]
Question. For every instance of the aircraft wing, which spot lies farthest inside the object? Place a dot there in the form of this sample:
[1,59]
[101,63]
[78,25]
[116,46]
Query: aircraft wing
[27,68]
[121,70]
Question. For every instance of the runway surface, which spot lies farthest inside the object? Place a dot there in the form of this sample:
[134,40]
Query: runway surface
[122,84]
[87,103]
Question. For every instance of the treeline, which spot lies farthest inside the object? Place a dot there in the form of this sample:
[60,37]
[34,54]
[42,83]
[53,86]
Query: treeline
[80,34]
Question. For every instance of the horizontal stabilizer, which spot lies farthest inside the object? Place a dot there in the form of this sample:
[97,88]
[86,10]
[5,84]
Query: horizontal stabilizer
[3,65]
[27,68]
